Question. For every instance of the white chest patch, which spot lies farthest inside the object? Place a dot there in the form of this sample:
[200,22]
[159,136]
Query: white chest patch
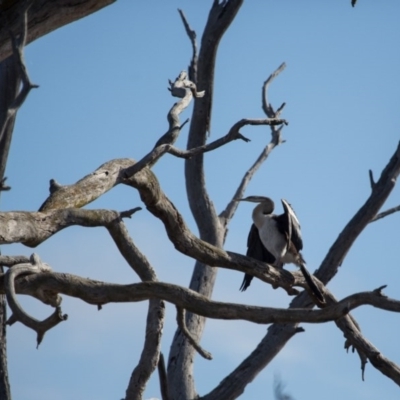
[272,239]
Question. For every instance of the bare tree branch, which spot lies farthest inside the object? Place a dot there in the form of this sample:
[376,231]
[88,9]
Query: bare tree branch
[266,106]
[48,297]
[367,350]
[184,89]
[233,134]
[192,36]
[180,317]
[97,292]
[89,188]
[31,229]
[380,192]
[384,214]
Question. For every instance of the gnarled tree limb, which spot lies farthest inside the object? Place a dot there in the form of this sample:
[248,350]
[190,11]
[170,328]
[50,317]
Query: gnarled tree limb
[48,297]
[97,292]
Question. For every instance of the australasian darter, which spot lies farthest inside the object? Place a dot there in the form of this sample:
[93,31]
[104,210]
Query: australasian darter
[276,239]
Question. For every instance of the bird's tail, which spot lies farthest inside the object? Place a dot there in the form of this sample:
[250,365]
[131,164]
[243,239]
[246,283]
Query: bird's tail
[310,281]
[246,282]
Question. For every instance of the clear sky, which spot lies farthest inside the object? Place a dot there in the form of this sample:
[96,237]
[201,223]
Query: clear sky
[103,95]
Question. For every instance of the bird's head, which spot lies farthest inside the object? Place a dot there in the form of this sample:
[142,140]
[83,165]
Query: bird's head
[267,203]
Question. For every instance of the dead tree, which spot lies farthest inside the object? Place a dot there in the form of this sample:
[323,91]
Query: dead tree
[65,204]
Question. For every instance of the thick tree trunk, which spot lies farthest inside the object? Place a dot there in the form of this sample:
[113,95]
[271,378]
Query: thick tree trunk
[181,358]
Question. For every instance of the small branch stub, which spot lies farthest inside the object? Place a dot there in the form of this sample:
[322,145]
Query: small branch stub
[181,85]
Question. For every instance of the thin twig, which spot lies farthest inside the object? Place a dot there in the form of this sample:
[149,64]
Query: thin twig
[266,106]
[192,36]
[384,214]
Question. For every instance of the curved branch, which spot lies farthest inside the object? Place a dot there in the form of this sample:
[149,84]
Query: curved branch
[97,292]
[266,106]
[180,317]
[48,297]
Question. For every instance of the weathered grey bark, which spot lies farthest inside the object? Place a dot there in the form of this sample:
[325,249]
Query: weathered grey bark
[9,84]
[5,393]
[44,17]
[99,293]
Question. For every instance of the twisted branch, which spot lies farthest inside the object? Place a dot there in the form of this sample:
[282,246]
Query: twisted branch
[48,297]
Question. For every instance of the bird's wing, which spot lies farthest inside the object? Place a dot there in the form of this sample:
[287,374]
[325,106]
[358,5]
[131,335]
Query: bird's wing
[256,250]
[293,225]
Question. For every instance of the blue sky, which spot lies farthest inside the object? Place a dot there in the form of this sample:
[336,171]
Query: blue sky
[103,95]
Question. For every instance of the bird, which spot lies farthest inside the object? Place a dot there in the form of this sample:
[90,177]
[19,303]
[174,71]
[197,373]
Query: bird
[276,239]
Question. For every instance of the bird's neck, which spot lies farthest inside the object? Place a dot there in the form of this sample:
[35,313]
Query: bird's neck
[259,215]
